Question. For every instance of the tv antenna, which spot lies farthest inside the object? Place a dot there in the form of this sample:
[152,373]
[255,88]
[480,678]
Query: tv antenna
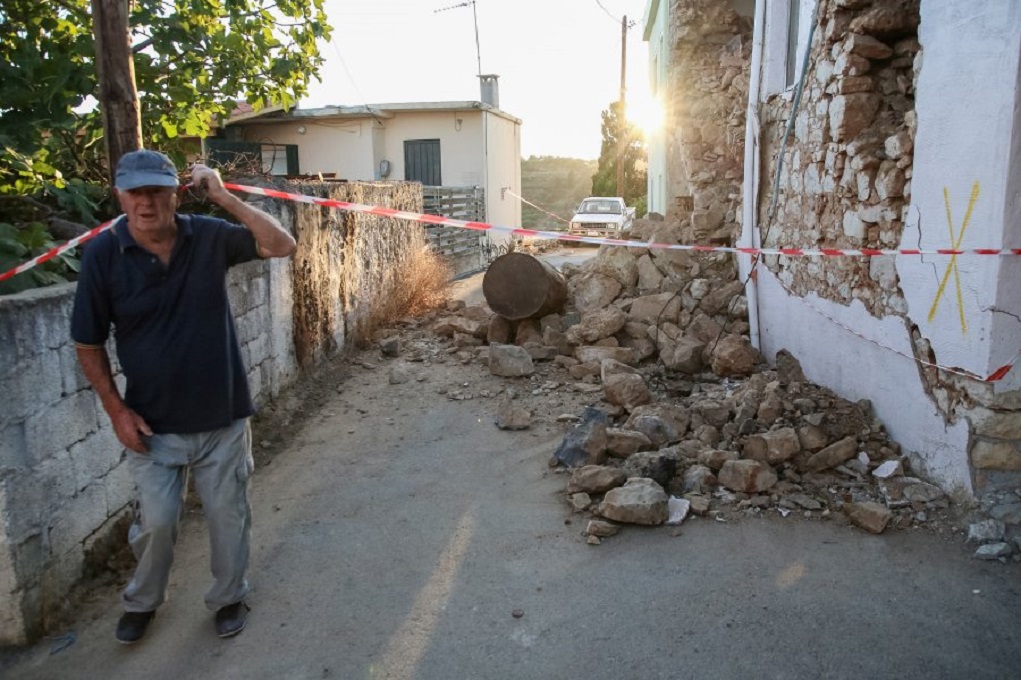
[475,16]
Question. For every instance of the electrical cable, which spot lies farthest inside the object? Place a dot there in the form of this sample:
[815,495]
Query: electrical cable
[774,199]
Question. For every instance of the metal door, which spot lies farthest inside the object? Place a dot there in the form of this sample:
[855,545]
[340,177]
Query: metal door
[422,162]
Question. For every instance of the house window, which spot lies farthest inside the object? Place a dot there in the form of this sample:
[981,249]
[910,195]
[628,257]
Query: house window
[275,159]
[793,36]
[422,162]
[785,41]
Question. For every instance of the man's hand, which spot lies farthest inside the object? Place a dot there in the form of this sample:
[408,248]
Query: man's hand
[272,239]
[130,427]
[207,179]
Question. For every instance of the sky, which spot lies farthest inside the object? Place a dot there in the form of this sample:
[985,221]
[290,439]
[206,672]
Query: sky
[558,61]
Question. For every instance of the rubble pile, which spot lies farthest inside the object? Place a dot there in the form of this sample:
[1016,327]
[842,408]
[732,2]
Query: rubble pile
[685,418]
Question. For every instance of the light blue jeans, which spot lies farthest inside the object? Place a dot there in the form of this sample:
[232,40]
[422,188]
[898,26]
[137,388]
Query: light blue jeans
[222,463]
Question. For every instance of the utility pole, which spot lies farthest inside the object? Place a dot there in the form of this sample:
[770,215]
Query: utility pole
[621,118]
[115,67]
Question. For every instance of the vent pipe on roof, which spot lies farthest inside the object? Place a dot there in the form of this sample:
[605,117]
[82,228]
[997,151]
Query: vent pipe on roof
[490,90]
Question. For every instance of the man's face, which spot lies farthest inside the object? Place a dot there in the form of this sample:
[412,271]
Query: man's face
[149,209]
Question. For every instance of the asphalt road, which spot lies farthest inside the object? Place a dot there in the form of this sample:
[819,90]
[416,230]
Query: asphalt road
[400,535]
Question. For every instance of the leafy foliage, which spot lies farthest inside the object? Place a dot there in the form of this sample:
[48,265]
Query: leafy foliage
[194,60]
[555,184]
[604,182]
[19,245]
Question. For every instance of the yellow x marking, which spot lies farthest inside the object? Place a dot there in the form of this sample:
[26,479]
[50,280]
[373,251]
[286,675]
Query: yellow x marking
[952,265]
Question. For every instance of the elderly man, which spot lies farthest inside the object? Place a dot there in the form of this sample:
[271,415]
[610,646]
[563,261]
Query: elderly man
[159,279]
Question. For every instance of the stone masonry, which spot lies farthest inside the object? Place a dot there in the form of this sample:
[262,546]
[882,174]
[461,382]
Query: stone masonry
[705,108]
[846,183]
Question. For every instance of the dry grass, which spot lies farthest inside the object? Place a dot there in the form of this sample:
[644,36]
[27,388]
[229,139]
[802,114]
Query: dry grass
[421,286]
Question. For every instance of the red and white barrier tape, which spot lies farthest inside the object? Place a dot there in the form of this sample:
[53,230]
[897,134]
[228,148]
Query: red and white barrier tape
[57,250]
[557,235]
[996,375]
[482,226]
[543,210]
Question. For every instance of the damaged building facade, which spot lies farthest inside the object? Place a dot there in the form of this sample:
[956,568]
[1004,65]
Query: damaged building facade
[888,124]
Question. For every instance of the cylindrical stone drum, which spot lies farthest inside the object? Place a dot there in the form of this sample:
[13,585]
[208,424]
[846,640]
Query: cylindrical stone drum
[518,286]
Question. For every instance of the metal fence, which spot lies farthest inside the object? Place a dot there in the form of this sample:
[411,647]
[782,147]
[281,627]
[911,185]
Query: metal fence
[465,250]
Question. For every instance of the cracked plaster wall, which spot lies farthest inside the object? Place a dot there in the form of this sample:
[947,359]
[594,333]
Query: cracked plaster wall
[909,106]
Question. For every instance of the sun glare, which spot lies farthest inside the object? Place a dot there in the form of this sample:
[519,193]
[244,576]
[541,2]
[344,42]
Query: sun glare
[647,113]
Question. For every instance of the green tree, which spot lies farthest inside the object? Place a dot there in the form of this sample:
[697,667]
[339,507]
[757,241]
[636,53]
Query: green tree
[634,161]
[194,60]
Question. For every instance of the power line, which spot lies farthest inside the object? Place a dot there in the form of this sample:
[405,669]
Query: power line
[616,19]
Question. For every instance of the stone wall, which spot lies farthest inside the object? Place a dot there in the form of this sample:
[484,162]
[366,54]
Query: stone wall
[846,182]
[706,96]
[846,176]
[64,489]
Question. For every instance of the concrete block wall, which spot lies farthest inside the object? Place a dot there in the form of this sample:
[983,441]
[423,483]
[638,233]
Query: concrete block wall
[63,484]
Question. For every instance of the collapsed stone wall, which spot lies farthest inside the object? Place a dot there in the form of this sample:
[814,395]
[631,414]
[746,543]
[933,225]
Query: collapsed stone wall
[705,118]
[846,175]
[846,183]
[64,488]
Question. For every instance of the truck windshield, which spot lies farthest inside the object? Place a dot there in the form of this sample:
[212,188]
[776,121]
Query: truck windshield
[599,208]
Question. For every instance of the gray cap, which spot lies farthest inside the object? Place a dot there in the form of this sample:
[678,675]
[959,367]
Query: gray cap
[145,169]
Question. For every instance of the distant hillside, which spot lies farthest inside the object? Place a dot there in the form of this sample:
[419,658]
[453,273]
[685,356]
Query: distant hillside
[555,184]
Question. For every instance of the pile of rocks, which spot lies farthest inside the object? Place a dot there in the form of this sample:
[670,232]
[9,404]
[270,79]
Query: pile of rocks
[688,418]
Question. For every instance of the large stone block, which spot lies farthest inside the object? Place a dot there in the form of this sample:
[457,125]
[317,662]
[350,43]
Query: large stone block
[656,309]
[996,455]
[92,458]
[851,113]
[54,429]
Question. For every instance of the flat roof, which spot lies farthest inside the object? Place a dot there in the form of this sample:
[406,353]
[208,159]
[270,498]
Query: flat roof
[368,111]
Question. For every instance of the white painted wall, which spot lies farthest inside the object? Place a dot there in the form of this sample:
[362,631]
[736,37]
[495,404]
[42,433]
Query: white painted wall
[460,135]
[344,147]
[859,369]
[503,175]
[968,138]
[968,131]
[656,34]
[477,148]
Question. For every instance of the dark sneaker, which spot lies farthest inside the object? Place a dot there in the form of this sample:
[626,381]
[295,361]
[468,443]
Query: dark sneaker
[230,620]
[132,626]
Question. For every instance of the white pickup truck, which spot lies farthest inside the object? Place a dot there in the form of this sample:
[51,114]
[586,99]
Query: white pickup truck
[601,216]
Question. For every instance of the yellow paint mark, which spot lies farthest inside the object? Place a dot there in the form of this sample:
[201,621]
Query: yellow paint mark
[407,645]
[955,241]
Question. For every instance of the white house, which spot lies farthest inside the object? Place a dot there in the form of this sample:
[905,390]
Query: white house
[463,144]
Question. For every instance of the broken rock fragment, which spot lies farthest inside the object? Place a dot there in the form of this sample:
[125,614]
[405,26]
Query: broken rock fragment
[747,476]
[734,356]
[773,447]
[597,325]
[513,417]
[586,443]
[592,353]
[627,390]
[595,479]
[659,466]
[510,361]
[639,501]
[872,517]
[833,455]
[601,528]
[622,443]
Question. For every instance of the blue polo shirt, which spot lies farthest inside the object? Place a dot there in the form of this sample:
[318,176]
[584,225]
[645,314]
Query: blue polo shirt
[173,325]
